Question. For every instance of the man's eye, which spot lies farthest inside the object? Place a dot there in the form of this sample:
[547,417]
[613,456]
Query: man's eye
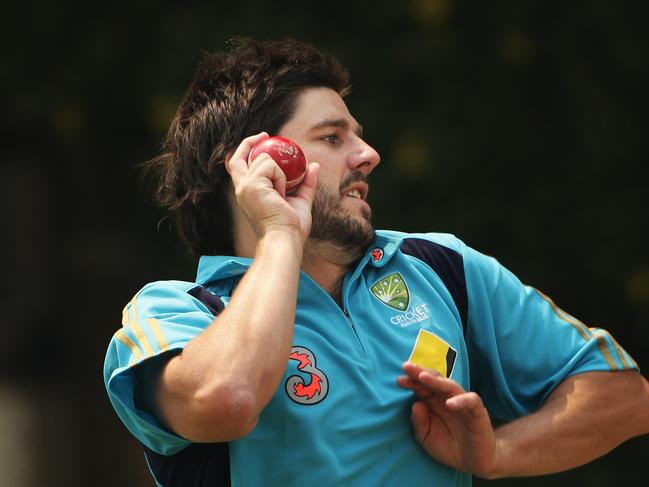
[332,139]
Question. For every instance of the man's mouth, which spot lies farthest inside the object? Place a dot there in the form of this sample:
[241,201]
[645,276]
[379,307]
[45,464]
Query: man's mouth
[354,193]
[355,186]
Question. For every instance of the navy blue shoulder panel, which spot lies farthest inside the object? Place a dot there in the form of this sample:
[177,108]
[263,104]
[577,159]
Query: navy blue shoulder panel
[198,465]
[449,266]
[213,303]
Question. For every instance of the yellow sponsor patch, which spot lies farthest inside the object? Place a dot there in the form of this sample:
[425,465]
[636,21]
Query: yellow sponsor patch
[431,352]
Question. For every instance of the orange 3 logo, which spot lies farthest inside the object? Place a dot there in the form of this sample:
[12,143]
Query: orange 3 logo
[296,388]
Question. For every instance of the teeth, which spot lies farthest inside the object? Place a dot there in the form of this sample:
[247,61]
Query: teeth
[354,193]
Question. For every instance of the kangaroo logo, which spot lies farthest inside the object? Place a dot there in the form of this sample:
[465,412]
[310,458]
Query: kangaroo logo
[318,386]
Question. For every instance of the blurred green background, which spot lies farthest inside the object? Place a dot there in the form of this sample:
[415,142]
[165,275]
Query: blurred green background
[519,126]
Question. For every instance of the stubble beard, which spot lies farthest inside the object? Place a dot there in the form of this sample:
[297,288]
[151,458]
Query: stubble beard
[332,223]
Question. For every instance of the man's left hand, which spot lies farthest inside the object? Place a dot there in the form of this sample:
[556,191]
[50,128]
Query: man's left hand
[450,424]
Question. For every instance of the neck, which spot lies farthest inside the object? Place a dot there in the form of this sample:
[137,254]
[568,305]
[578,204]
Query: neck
[327,264]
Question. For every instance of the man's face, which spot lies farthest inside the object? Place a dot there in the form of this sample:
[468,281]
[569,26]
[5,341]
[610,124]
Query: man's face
[330,136]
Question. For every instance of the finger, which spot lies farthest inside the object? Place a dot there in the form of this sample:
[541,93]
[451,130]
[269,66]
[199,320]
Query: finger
[468,402]
[263,164]
[438,384]
[237,164]
[420,421]
[420,391]
[408,382]
[413,370]
[259,160]
[412,380]
[279,180]
[307,187]
[265,167]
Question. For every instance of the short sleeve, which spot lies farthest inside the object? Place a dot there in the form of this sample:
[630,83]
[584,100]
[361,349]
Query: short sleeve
[522,345]
[161,319]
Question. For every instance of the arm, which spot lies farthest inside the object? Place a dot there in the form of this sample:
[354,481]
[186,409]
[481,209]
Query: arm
[586,416]
[215,389]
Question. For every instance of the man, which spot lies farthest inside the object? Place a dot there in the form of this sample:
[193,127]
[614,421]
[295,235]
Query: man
[312,348]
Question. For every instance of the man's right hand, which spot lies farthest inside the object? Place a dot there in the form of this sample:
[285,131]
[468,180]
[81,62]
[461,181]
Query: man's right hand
[213,391]
[260,190]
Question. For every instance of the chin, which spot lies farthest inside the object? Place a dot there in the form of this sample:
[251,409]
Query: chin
[356,210]
[342,222]
[354,233]
[367,214]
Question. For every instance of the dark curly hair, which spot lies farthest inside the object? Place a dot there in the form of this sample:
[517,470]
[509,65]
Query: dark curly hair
[250,88]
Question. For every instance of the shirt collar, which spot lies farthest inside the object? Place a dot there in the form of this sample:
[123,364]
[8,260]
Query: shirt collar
[385,245]
[214,267]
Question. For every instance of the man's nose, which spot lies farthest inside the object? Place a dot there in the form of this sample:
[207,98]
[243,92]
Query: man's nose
[365,158]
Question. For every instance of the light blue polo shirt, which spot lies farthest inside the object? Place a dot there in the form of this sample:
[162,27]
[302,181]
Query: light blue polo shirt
[338,417]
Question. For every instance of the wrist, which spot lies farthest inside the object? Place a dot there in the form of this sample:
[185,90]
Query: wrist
[285,239]
[500,454]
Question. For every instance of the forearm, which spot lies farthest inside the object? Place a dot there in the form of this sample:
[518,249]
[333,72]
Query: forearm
[585,417]
[218,385]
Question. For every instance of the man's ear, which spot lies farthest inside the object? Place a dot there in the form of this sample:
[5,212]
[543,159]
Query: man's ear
[228,156]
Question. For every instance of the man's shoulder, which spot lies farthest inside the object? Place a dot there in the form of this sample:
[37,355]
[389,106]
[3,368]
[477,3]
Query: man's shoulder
[165,287]
[163,294]
[446,240]
[175,296]
[433,246]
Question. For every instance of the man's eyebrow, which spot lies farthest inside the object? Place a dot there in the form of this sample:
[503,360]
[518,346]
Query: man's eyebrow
[338,123]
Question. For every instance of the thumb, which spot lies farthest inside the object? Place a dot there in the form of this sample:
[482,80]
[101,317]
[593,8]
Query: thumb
[307,188]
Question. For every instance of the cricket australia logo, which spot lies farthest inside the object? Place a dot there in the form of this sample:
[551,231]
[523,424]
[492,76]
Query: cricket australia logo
[392,291]
[296,388]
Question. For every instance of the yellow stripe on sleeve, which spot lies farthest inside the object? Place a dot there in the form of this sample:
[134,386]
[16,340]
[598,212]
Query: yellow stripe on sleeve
[625,358]
[158,334]
[606,351]
[605,348]
[583,330]
[125,316]
[625,354]
[138,332]
[124,339]
[141,337]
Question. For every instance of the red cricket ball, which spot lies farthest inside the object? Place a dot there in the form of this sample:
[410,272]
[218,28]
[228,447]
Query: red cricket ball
[288,156]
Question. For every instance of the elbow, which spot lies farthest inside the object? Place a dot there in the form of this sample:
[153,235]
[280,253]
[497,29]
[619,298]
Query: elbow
[224,413]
